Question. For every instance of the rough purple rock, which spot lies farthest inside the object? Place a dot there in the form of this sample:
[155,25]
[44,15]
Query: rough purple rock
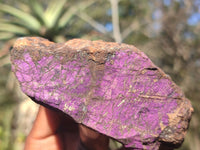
[112,88]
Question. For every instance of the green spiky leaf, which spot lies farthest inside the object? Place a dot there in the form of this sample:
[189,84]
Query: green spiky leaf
[53,12]
[37,10]
[28,19]
[13,28]
[6,35]
[68,14]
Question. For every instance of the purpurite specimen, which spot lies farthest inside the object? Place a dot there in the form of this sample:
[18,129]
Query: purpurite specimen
[112,88]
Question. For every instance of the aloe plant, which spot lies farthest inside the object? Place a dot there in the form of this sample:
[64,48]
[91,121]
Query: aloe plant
[48,22]
[34,18]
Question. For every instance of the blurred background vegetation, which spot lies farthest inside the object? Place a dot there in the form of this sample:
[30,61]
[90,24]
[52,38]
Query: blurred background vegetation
[168,31]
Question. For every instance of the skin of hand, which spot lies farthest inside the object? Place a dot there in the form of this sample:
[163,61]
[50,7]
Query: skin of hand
[53,130]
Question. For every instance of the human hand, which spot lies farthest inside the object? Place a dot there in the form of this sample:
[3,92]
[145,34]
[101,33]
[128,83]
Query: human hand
[53,130]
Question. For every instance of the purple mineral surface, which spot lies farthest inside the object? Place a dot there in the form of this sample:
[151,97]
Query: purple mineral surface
[112,88]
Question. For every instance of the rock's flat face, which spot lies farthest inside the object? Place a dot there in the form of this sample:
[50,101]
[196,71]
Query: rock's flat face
[112,88]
